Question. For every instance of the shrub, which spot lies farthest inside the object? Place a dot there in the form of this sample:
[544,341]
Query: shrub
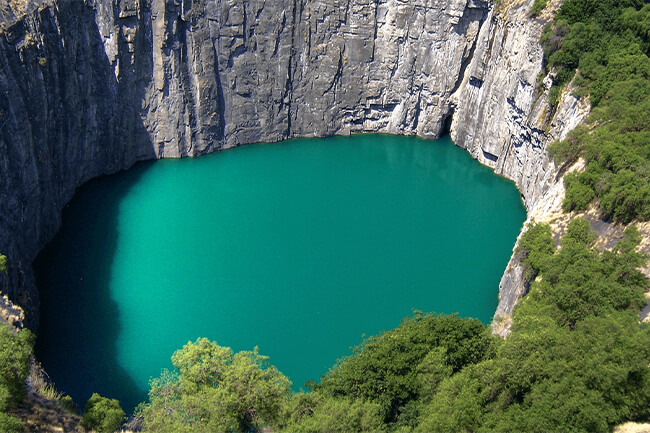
[538,7]
[15,351]
[102,414]
[10,424]
[67,403]
[394,368]
[222,390]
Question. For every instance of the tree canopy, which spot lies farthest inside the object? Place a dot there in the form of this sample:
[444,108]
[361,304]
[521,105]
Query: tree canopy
[216,390]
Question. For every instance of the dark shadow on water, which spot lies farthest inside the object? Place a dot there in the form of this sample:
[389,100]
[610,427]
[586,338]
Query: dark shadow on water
[80,322]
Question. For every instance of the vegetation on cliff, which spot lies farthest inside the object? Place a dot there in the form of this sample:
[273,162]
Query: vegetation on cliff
[576,360]
[43,405]
[15,351]
[605,46]
[103,415]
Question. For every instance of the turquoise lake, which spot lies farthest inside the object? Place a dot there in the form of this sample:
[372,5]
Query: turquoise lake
[298,247]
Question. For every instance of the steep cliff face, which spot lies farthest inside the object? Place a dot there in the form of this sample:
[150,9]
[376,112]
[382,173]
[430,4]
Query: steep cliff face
[90,88]
[64,118]
[503,118]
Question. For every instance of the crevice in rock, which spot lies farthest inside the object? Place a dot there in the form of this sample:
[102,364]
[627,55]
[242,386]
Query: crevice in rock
[416,116]
[288,85]
[245,25]
[279,35]
[337,75]
[490,156]
[447,120]
[469,15]
[476,82]
[238,51]
[221,103]
[374,33]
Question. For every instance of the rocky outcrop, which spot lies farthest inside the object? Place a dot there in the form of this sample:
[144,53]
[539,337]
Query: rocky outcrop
[11,313]
[88,88]
[503,118]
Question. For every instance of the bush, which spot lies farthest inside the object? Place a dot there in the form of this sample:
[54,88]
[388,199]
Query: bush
[387,369]
[67,404]
[578,195]
[15,351]
[537,246]
[224,391]
[577,358]
[538,7]
[314,413]
[102,414]
[10,424]
[579,232]
[554,95]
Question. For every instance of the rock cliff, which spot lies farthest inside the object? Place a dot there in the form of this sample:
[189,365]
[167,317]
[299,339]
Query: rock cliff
[88,88]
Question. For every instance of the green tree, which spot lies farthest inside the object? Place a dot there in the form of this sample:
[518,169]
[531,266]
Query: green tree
[538,7]
[577,358]
[216,390]
[15,352]
[458,406]
[102,414]
[384,369]
[578,281]
[537,246]
[314,413]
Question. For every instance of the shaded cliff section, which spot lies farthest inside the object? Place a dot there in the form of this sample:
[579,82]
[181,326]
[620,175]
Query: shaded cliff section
[64,118]
[90,87]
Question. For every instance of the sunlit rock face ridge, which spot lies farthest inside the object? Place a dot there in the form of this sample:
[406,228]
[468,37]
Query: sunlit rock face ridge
[90,87]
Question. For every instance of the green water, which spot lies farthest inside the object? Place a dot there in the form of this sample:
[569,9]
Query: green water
[299,247]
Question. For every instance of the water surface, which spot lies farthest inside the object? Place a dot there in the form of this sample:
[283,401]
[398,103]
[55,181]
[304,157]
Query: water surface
[298,247]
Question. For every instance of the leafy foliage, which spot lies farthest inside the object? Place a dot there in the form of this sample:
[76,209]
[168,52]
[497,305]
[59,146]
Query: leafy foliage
[314,412]
[538,7]
[216,390]
[607,42]
[579,282]
[388,369]
[537,246]
[15,351]
[102,414]
[553,378]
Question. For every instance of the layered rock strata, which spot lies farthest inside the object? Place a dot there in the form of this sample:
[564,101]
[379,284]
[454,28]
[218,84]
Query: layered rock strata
[89,88]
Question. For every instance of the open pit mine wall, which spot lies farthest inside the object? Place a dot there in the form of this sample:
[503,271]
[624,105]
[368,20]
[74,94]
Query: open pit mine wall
[90,87]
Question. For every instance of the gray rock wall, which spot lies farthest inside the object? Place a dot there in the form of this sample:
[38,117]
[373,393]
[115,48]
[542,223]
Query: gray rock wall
[88,88]
[503,118]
